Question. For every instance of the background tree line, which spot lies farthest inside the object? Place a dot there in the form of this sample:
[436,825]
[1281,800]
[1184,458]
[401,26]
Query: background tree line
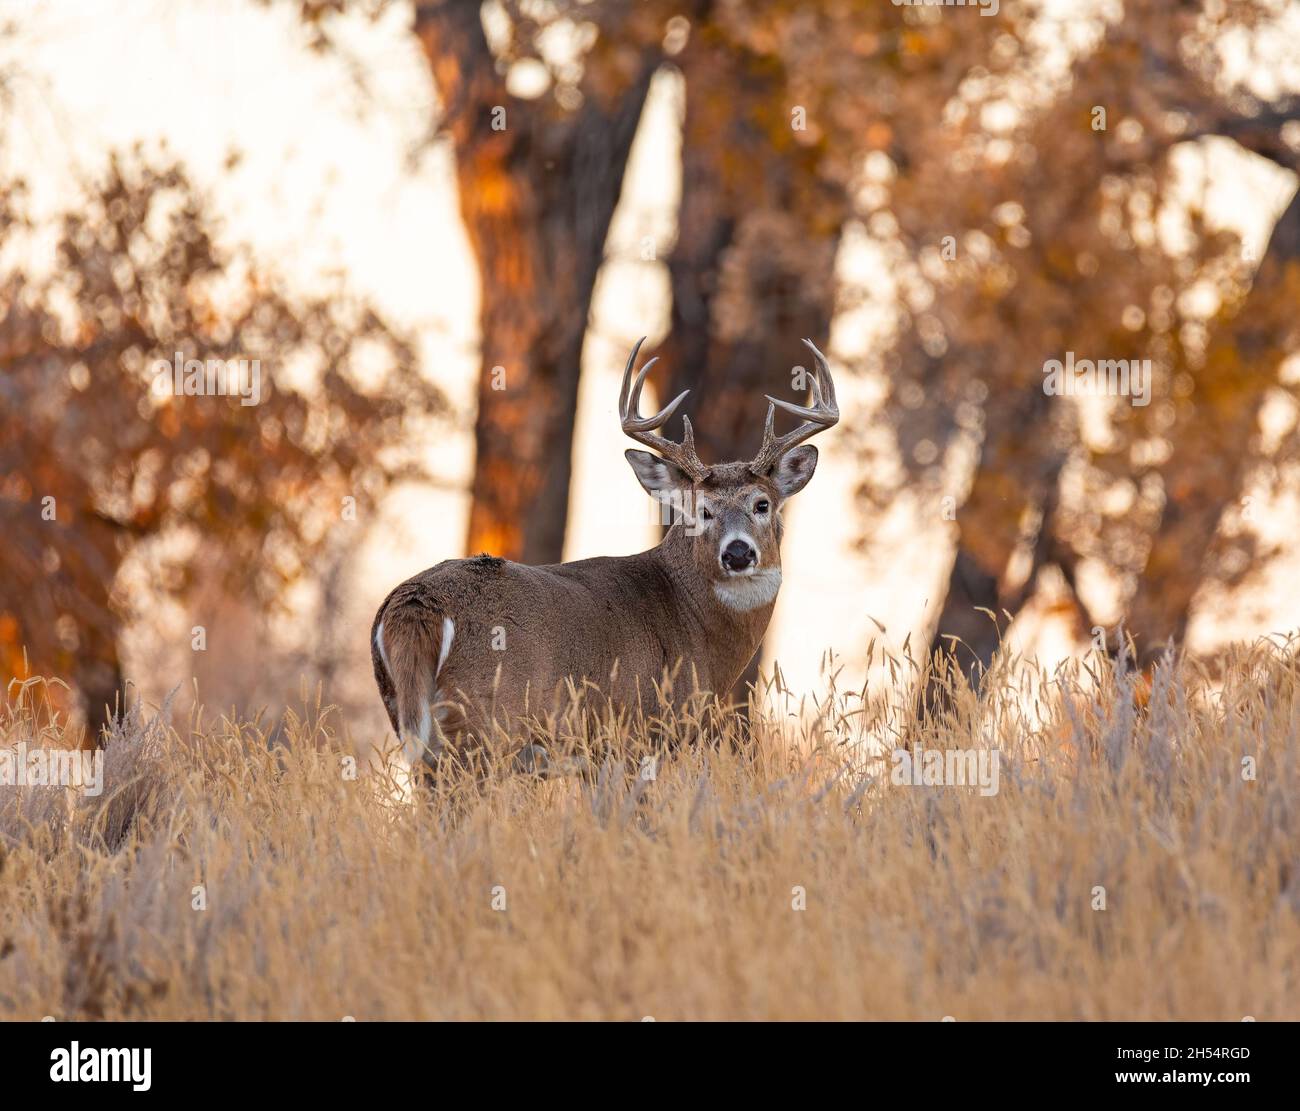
[1014,225]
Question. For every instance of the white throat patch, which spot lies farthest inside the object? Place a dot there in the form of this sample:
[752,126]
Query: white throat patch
[748,592]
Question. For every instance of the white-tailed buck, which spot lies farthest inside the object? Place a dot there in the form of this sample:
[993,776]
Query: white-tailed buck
[472,642]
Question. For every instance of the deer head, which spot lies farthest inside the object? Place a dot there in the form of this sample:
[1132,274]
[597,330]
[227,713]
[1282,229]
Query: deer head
[731,512]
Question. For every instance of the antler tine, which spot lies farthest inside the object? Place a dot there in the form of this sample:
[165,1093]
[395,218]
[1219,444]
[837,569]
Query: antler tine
[634,398]
[627,377]
[642,428]
[823,383]
[820,415]
[688,434]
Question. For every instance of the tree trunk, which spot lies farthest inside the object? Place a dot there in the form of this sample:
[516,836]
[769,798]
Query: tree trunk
[59,622]
[1211,456]
[753,268]
[538,187]
[103,694]
[980,602]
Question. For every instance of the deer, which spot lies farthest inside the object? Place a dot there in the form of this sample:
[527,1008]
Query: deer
[483,641]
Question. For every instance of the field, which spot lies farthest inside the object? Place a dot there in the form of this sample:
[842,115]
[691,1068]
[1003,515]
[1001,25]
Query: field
[1140,859]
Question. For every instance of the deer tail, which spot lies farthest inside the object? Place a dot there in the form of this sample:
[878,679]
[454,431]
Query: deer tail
[413,643]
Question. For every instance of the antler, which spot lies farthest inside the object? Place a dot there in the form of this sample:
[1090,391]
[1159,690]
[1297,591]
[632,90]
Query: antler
[642,428]
[820,415]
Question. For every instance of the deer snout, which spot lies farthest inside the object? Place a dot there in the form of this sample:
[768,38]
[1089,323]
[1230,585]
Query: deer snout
[738,555]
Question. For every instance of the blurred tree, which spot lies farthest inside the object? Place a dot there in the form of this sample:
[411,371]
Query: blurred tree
[1174,471]
[1028,258]
[97,451]
[1216,445]
[539,171]
[539,179]
[1017,208]
[1215,441]
[782,101]
[753,268]
[1038,234]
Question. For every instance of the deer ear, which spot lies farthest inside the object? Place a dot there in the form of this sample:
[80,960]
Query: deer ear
[655,474]
[794,469]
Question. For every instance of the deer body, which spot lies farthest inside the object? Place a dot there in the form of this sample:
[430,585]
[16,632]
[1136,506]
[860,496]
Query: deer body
[540,626]
[482,641]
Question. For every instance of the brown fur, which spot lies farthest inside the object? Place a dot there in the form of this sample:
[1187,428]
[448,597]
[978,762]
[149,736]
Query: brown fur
[521,632]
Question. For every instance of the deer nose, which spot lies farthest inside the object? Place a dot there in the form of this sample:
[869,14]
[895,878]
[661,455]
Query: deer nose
[738,555]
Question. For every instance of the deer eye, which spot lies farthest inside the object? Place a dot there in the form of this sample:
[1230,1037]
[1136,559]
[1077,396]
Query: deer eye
[761,506]
[705,515]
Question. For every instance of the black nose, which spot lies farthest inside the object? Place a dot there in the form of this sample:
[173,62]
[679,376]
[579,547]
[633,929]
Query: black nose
[738,555]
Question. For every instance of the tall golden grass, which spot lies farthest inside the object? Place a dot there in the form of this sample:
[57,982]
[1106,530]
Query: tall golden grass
[621,894]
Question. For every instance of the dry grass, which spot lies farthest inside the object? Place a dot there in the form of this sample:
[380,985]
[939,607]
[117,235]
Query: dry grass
[625,897]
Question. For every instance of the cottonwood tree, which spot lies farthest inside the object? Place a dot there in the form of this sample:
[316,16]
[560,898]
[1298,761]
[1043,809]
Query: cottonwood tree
[1025,253]
[97,454]
[1054,223]
[539,177]
[782,101]
[1215,444]
[762,208]
[1176,472]
[540,104]
[758,225]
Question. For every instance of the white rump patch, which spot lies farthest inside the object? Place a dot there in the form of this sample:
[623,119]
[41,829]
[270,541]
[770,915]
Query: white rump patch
[448,635]
[379,643]
[748,591]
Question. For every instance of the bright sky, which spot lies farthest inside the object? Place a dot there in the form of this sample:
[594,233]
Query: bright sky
[331,181]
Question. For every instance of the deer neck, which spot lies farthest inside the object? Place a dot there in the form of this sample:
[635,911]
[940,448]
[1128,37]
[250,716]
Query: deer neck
[723,629]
